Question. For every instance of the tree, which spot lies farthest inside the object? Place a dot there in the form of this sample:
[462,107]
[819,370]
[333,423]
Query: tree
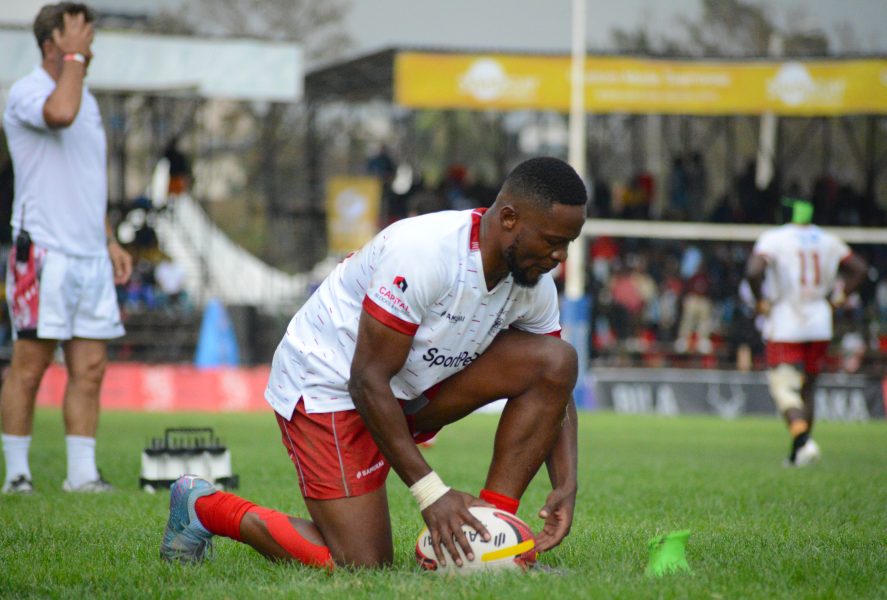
[315,25]
[727,28]
[277,149]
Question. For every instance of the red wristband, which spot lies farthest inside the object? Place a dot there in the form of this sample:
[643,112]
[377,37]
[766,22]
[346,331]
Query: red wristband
[75,56]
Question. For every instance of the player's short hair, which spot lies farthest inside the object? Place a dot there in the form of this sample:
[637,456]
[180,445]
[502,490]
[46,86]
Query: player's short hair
[52,16]
[546,181]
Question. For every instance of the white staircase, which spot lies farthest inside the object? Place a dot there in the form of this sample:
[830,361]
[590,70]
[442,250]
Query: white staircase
[216,267]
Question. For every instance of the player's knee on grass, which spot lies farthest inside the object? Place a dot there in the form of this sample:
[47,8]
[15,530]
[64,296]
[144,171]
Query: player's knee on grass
[362,555]
[785,382]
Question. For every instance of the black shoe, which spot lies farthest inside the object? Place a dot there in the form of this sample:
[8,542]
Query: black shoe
[19,485]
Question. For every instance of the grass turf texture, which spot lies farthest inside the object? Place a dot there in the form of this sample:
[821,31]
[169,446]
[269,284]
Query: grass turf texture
[759,530]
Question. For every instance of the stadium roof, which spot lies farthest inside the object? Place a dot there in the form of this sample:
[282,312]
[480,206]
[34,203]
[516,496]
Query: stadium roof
[127,61]
[361,79]
[462,79]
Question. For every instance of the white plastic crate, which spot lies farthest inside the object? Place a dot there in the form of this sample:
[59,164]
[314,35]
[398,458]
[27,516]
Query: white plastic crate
[186,451]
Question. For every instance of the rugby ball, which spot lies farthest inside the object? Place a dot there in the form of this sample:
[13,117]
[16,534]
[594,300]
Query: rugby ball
[511,546]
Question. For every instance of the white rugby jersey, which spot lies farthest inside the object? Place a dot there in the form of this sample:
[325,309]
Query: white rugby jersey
[60,174]
[802,266]
[422,277]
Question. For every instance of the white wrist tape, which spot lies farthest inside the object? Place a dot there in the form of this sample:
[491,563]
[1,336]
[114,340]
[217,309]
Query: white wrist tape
[428,490]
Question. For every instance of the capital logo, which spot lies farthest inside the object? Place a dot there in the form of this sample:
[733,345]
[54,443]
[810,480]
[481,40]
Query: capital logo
[401,283]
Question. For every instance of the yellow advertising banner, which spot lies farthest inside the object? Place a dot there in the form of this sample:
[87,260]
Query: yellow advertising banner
[352,209]
[639,85]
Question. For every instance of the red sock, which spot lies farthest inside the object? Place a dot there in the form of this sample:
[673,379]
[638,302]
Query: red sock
[292,541]
[221,513]
[500,501]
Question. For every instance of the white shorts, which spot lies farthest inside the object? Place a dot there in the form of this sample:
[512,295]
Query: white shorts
[56,296]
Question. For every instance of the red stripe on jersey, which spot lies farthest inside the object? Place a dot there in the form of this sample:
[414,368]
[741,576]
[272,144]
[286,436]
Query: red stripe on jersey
[556,333]
[386,318]
[476,214]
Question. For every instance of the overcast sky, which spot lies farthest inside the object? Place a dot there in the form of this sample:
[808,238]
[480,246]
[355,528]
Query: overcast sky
[545,24]
[542,25]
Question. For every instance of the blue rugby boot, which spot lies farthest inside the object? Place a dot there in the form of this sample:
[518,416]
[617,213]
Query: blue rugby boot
[185,540]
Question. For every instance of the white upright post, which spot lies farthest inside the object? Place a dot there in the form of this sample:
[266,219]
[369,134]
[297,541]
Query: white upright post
[767,139]
[575,302]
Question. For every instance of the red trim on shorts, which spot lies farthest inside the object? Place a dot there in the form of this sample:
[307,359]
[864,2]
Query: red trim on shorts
[387,319]
[809,354]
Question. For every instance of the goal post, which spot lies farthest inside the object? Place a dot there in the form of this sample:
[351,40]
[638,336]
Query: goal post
[724,232]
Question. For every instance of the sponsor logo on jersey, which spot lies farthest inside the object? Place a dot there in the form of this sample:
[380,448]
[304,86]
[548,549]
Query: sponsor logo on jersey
[435,358]
[401,283]
[452,318]
[391,299]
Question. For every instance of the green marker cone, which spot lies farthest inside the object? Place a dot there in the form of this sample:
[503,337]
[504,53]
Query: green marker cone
[667,554]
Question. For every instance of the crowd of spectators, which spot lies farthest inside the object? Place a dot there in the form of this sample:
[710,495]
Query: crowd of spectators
[687,189]
[684,303]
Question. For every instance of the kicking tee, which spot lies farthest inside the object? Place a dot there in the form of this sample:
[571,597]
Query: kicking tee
[802,266]
[422,277]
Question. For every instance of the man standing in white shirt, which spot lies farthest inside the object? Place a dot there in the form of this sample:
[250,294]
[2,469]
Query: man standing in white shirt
[65,263]
[435,317]
[802,264]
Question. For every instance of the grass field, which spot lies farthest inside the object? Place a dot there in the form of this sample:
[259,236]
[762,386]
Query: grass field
[758,530]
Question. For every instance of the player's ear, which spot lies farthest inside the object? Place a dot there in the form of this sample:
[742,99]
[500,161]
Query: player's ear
[508,217]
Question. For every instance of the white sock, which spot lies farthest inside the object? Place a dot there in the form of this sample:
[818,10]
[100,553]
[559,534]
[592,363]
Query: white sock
[15,451]
[81,460]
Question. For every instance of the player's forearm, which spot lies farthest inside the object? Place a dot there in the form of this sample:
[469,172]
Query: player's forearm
[854,271]
[384,419]
[754,274]
[109,231]
[563,459]
[63,104]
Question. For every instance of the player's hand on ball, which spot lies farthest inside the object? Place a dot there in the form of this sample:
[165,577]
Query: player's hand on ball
[445,519]
[558,516]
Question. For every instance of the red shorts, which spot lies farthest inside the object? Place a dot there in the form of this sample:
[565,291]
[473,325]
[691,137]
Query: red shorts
[335,454]
[809,354]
